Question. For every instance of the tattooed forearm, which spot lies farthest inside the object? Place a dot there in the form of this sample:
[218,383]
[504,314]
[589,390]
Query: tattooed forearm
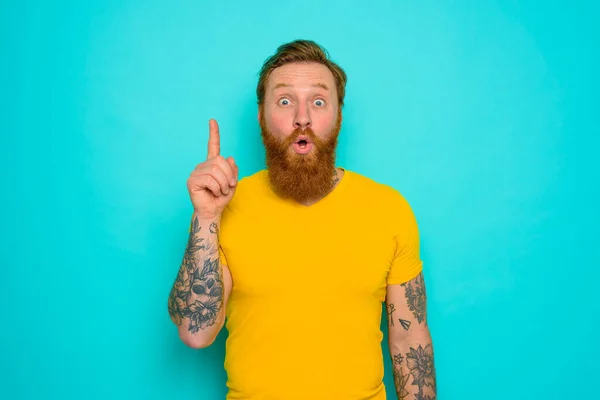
[416,298]
[197,295]
[400,377]
[417,367]
[421,366]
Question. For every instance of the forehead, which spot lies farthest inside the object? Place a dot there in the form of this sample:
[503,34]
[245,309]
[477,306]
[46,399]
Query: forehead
[301,75]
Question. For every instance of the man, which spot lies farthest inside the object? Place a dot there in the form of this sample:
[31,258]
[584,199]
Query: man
[299,258]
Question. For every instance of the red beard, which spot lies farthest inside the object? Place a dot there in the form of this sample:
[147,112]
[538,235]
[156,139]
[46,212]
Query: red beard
[303,178]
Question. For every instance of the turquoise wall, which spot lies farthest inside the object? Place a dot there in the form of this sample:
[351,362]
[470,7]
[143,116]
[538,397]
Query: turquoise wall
[480,113]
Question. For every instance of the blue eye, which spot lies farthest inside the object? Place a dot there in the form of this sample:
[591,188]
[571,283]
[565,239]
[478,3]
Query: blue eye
[284,102]
[319,102]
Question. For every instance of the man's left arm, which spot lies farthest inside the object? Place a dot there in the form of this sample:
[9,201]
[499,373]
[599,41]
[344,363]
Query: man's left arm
[411,347]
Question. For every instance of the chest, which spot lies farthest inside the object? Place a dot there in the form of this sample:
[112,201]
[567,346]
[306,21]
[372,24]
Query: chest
[331,255]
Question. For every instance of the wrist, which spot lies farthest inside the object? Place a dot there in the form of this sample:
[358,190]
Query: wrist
[204,219]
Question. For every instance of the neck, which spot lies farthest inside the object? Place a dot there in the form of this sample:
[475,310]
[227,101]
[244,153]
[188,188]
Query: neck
[337,177]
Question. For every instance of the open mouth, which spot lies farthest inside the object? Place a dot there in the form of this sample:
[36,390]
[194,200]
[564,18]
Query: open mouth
[302,145]
[302,142]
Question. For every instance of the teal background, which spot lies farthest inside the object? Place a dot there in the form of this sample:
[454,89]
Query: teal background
[482,113]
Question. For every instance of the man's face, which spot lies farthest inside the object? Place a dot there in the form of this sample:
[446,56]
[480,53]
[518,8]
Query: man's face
[298,96]
[300,122]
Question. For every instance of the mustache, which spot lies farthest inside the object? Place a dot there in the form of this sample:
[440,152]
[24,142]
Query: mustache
[308,132]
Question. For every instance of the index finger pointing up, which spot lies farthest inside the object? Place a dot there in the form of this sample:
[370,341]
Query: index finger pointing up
[214,140]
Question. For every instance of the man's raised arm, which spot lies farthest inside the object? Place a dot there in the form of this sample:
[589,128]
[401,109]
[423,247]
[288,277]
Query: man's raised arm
[199,295]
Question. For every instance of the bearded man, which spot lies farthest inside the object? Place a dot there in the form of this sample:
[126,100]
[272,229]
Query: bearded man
[297,260]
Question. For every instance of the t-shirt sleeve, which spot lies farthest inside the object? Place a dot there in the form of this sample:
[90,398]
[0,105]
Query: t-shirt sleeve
[406,262]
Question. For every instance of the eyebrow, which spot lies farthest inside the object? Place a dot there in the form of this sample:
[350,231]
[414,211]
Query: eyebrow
[321,85]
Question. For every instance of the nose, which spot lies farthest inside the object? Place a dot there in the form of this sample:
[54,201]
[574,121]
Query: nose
[302,118]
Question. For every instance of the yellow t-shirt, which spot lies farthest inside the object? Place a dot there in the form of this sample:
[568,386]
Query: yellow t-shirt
[305,310]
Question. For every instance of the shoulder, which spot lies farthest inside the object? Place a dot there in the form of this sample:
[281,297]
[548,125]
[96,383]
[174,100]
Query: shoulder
[382,194]
[383,201]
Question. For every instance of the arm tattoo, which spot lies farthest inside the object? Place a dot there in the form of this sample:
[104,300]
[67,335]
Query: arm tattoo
[198,290]
[391,308]
[416,298]
[421,366]
[400,379]
[404,323]
[414,371]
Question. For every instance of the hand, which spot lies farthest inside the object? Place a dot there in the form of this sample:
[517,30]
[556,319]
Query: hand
[212,183]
